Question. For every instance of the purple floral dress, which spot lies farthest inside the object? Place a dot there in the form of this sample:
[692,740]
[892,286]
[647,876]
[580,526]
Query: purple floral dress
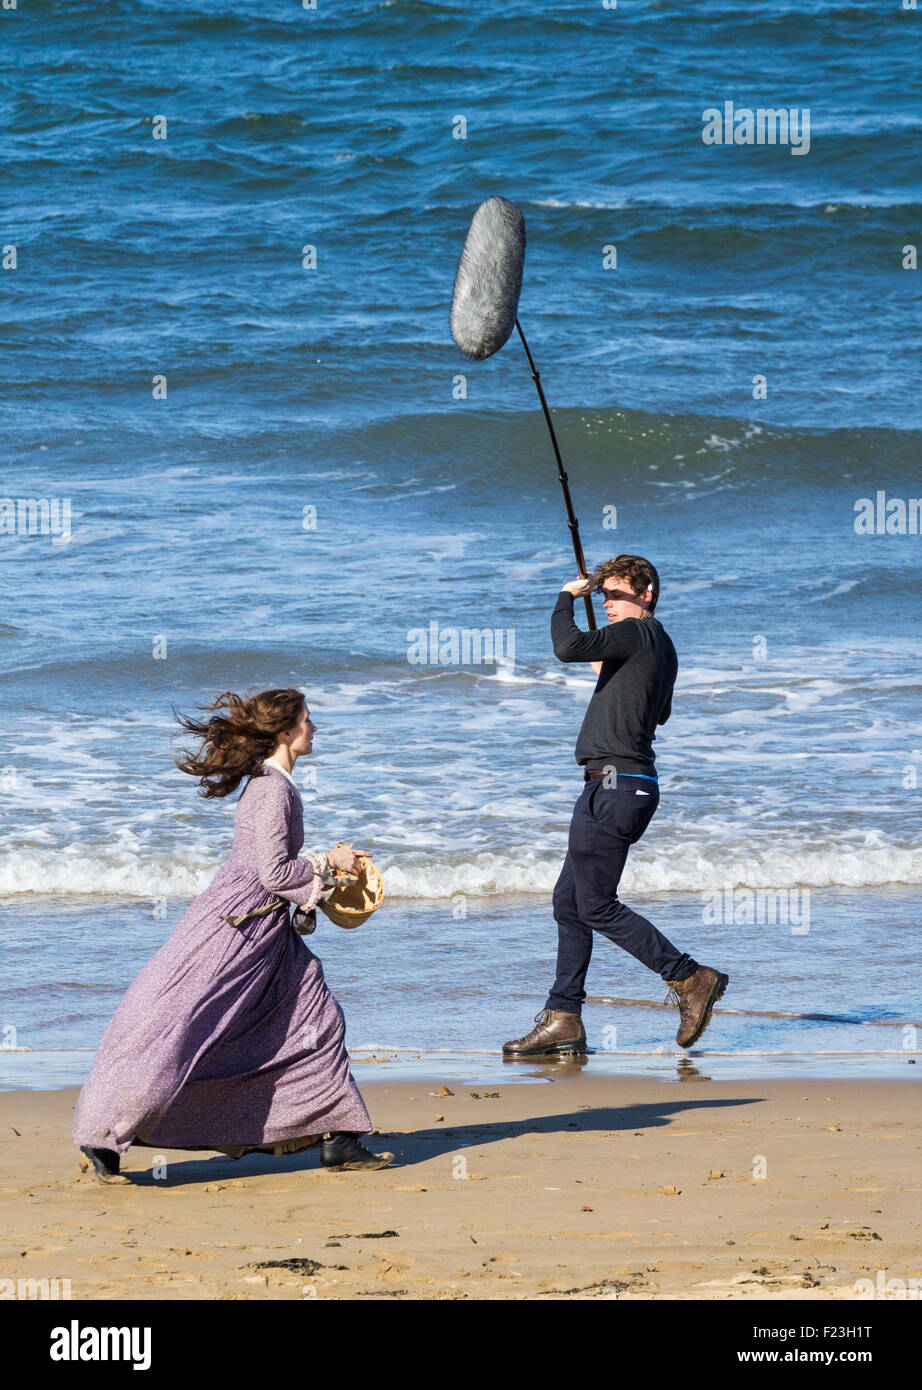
[228,1039]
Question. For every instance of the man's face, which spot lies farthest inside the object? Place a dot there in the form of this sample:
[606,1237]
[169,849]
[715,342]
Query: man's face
[621,601]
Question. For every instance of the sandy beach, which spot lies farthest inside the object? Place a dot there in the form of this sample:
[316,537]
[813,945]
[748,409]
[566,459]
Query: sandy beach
[561,1184]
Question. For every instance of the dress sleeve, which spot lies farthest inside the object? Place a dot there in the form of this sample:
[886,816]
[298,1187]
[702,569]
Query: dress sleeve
[298,880]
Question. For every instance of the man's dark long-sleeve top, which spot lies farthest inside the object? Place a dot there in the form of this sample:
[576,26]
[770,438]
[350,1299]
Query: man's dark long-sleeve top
[634,690]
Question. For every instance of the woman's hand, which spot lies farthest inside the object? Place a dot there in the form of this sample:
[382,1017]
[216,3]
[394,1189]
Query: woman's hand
[344,858]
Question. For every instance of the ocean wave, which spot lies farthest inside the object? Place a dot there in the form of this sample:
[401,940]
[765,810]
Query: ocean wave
[656,448]
[687,867]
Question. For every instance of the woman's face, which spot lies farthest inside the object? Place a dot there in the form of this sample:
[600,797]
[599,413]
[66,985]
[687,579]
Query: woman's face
[302,736]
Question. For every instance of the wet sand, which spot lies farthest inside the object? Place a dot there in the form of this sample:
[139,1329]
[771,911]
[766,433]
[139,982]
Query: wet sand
[574,1186]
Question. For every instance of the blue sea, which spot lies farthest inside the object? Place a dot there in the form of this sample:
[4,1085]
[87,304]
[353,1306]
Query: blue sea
[228,244]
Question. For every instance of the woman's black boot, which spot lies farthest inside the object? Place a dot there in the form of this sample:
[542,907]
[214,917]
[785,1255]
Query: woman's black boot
[105,1164]
[344,1151]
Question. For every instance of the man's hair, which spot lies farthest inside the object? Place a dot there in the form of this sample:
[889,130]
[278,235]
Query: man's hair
[638,572]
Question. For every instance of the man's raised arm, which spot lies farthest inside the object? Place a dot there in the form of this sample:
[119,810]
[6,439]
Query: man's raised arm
[615,642]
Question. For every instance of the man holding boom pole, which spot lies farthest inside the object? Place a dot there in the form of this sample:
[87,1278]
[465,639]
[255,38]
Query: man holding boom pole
[636,666]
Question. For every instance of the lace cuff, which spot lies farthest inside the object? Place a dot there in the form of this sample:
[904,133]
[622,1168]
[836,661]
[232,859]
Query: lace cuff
[325,872]
[324,881]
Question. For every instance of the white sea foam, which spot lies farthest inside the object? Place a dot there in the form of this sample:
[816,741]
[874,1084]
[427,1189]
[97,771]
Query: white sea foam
[689,866]
[616,206]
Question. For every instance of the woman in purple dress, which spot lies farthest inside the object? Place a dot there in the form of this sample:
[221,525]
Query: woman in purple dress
[229,1039]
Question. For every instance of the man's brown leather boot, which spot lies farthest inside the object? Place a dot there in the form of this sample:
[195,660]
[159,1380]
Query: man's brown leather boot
[557,1034]
[696,997]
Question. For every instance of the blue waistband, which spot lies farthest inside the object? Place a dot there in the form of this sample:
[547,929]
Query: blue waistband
[642,775]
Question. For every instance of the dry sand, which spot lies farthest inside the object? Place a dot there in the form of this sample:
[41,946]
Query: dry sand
[577,1186]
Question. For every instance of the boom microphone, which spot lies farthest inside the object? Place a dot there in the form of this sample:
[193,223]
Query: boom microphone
[489,279]
[484,311]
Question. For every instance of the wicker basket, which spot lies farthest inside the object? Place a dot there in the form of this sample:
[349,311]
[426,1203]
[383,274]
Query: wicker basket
[350,904]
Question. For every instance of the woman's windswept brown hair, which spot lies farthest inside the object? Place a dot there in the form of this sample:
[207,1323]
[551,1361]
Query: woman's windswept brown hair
[233,744]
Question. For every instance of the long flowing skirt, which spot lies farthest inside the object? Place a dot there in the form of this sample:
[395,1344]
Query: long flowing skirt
[228,1039]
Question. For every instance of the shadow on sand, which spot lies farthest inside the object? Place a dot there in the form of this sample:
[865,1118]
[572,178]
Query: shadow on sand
[423,1144]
